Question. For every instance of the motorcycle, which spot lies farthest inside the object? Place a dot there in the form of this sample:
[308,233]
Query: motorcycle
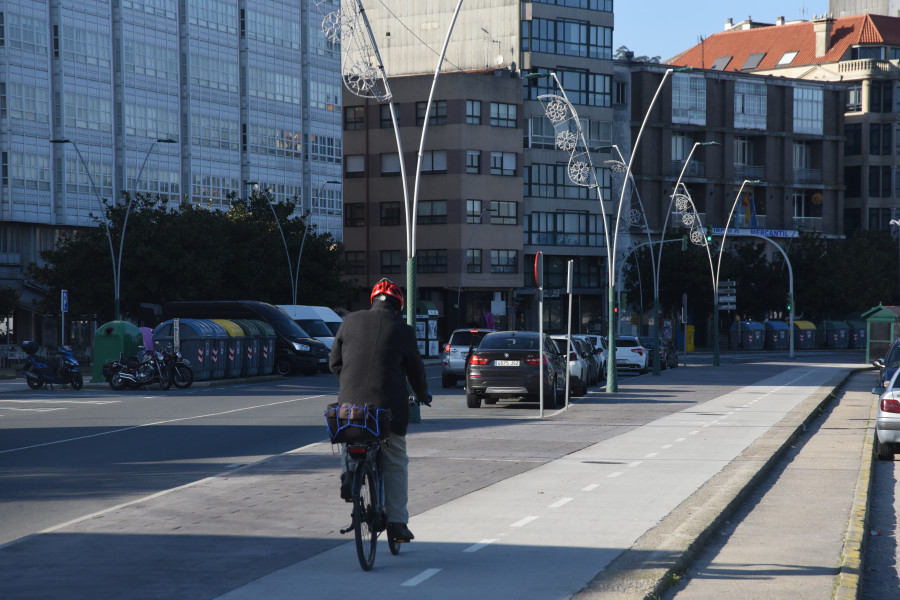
[134,373]
[180,370]
[62,370]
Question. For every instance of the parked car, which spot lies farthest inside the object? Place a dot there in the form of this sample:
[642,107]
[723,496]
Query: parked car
[599,343]
[579,370]
[507,364]
[455,352]
[888,363]
[668,356]
[887,423]
[631,354]
[592,356]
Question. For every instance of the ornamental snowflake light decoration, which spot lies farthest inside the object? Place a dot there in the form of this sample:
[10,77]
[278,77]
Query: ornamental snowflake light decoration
[616,166]
[335,27]
[557,111]
[682,202]
[566,140]
[636,216]
[579,172]
[697,237]
[687,219]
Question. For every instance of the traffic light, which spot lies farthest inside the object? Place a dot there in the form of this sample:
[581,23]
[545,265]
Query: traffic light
[684,242]
[789,302]
[708,234]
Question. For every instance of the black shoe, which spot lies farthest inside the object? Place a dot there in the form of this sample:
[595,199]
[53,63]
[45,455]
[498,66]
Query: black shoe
[400,532]
[347,486]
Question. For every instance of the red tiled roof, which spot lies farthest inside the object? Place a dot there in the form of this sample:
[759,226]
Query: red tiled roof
[776,40]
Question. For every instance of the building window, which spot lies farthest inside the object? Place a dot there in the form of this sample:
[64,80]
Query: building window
[437,115]
[503,163]
[432,212]
[390,164]
[853,182]
[354,166]
[473,112]
[473,161]
[434,161]
[880,182]
[564,229]
[854,97]
[750,105]
[473,211]
[473,260]
[504,213]
[881,96]
[541,133]
[355,263]
[503,115]
[354,214]
[391,213]
[880,138]
[582,87]
[385,121]
[852,139]
[354,118]
[391,261]
[620,93]
[688,98]
[504,261]
[431,261]
[808,110]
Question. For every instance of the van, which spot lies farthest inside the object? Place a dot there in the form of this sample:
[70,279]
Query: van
[319,321]
[295,350]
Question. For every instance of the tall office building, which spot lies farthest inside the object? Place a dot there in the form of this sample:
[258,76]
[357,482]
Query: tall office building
[189,99]
[495,188]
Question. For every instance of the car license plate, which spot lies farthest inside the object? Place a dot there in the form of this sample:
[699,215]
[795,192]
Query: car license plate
[506,363]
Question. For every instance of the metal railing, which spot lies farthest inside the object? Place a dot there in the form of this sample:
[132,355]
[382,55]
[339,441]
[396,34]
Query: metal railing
[743,172]
[807,175]
[808,223]
[695,168]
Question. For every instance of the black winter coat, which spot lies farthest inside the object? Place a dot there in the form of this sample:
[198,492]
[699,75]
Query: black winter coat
[373,355]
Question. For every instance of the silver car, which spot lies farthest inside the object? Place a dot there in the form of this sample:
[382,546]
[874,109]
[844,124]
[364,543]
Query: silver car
[455,352]
[579,371]
[887,423]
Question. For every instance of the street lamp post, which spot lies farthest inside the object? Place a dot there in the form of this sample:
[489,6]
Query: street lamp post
[464,266]
[137,182]
[112,254]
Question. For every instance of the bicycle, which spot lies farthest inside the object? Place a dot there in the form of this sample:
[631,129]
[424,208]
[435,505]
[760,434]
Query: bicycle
[365,433]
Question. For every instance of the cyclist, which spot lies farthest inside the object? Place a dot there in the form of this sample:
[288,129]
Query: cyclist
[373,356]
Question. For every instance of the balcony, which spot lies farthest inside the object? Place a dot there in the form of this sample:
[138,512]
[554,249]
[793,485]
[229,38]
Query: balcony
[695,168]
[749,172]
[807,175]
[808,223]
[865,67]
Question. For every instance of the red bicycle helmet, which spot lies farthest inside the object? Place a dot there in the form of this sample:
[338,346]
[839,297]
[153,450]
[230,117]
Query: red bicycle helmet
[388,288]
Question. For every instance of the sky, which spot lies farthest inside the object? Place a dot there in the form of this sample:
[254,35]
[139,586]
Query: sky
[664,28]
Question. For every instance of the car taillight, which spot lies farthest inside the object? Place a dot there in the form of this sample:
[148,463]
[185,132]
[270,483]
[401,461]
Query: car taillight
[534,360]
[890,405]
[447,348]
[477,360]
[573,356]
[638,350]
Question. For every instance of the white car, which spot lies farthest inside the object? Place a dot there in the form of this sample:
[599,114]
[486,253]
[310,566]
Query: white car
[887,424]
[631,354]
[599,343]
[578,368]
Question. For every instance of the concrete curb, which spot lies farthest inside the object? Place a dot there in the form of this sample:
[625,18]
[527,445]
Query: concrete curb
[656,560]
[847,582]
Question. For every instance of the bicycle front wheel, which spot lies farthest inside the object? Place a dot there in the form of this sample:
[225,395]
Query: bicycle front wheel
[365,518]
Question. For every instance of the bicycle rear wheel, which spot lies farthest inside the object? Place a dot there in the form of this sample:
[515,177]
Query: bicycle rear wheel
[365,519]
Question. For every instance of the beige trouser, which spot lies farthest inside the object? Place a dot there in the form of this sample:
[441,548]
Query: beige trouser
[395,470]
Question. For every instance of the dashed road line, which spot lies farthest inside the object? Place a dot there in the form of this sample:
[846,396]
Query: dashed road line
[524,522]
[424,575]
[560,502]
[590,488]
[479,545]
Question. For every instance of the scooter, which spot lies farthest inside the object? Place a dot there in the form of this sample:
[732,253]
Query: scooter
[62,370]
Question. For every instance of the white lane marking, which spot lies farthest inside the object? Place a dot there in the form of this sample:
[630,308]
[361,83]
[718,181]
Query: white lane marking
[635,463]
[616,474]
[590,488]
[479,545]
[36,401]
[560,502]
[680,439]
[523,522]
[651,455]
[33,409]
[426,574]
[695,432]
[666,447]
[206,416]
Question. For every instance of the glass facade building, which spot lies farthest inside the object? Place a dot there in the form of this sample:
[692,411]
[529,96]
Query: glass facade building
[250,91]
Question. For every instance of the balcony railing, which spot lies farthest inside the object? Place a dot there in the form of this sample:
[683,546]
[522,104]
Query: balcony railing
[695,168]
[865,66]
[749,172]
[808,223]
[807,175]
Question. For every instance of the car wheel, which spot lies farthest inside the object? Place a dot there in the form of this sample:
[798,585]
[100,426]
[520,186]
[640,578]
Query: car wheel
[883,451]
[448,381]
[551,400]
[283,366]
[472,400]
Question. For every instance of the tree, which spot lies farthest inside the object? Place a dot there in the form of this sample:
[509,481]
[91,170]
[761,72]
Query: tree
[9,300]
[623,53]
[191,252]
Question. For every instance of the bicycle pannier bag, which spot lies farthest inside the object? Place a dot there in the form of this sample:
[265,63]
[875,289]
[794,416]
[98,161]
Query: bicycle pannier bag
[348,423]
